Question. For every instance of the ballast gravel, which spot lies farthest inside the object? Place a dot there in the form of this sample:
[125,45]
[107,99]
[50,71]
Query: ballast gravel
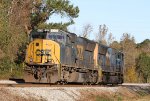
[65,93]
[55,93]
[7,82]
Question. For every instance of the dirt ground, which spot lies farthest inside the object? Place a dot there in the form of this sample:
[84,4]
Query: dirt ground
[118,93]
[129,93]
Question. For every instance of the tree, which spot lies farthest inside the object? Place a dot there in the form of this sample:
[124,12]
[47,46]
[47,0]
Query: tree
[129,49]
[62,26]
[144,46]
[100,37]
[144,52]
[87,29]
[128,46]
[116,45]
[20,14]
[103,37]
[131,75]
[143,66]
[110,39]
[43,9]
[33,14]
[4,6]
[12,36]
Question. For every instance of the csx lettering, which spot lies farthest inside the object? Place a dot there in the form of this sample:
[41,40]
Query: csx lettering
[42,52]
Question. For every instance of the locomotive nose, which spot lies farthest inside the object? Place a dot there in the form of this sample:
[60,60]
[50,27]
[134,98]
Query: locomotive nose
[43,52]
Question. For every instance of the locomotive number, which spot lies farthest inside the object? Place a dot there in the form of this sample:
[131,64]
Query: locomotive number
[80,51]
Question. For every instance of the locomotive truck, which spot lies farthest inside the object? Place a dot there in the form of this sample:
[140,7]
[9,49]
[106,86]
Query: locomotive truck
[56,56]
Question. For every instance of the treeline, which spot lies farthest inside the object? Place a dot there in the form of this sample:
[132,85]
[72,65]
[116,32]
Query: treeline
[19,17]
[136,56]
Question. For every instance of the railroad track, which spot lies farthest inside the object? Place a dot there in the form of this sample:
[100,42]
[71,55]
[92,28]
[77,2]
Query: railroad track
[21,83]
[65,85]
[45,85]
[53,85]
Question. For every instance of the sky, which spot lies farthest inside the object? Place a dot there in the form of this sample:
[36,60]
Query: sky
[120,16]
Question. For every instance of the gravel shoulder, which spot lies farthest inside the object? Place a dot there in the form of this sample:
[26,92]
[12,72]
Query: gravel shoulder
[7,82]
[6,95]
[74,93]
[127,92]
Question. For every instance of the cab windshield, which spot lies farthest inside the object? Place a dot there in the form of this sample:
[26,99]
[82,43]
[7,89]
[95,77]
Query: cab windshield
[56,37]
[37,35]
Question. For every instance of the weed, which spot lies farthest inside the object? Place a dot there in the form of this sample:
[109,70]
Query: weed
[99,98]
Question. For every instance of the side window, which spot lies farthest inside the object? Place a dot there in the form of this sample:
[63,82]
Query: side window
[50,36]
[57,37]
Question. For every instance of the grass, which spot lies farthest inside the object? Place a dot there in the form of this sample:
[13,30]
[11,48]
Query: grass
[99,98]
[119,98]
[8,74]
[105,98]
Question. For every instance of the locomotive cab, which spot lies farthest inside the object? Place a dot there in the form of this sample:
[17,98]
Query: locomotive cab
[43,55]
[44,48]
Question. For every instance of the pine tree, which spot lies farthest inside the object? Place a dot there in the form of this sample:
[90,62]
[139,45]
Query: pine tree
[43,9]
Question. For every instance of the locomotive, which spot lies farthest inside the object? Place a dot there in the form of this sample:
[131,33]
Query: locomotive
[56,56]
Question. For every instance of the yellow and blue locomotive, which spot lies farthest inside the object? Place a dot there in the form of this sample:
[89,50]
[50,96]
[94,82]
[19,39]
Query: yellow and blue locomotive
[55,56]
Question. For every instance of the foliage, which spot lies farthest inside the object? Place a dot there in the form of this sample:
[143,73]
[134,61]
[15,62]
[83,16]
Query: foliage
[101,36]
[62,26]
[128,46]
[110,39]
[43,9]
[131,75]
[143,65]
[12,36]
[116,45]
[136,59]
[19,14]
[33,14]
[129,49]
[10,69]
[144,46]
[145,42]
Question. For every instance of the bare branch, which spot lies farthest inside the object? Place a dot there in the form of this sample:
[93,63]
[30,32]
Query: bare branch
[100,37]
[110,39]
[87,29]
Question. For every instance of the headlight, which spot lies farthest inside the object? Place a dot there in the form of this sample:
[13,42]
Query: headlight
[49,60]
[31,59]
[42,52]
